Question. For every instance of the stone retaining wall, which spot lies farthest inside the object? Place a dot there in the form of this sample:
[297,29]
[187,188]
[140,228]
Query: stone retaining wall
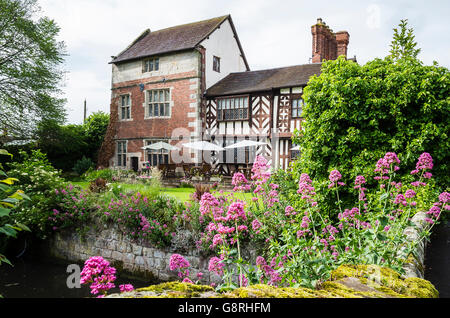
[415,265]
[136,259]
[153,263]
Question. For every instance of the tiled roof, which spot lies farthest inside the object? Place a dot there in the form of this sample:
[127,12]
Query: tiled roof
[177,38]
[264,80]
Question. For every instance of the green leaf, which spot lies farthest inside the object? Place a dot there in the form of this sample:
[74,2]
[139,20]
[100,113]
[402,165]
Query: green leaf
[5,153]
[8,231]
[4,211]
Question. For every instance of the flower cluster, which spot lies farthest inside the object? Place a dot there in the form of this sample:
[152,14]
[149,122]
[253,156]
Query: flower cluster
[387,164]
[126,288]
[260,170]
[240,182]
[180,264]
[424,164]
[306,189]
[98,272]
[334,177]
[270,272]
[216,265]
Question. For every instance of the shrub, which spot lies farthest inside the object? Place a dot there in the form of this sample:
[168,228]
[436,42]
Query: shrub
[98,185]
[83,165]
[39,180]
[91,174]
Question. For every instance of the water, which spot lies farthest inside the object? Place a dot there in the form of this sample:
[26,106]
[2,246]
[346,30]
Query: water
[437,259]
[44,278]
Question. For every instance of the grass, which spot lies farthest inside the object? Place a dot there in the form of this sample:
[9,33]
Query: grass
[182,194]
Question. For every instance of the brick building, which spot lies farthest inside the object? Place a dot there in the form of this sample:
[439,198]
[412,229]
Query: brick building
[193,82]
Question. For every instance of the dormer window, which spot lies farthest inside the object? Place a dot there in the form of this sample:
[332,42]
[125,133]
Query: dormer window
[216,64]
[150,65]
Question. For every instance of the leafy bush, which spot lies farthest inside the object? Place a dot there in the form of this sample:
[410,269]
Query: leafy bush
[38,179]
[141,218]
[91,174]
[9,199]
[83,165]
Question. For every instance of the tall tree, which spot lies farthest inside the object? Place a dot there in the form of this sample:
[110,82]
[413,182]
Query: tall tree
[403,44]
[30,59]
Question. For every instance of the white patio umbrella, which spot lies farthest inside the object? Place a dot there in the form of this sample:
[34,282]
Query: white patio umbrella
[203,145]
[160,146]
[246,143]
[296,148]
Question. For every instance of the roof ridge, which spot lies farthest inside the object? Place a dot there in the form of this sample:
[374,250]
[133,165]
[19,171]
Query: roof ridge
[204,32]
[275,68]
[192,23]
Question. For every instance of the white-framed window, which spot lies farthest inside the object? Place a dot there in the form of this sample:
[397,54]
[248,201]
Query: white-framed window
[150,65]
[158,103]
[297,107]
[232,108]
[157,157]
[125,107]
[121,153]
[216,64]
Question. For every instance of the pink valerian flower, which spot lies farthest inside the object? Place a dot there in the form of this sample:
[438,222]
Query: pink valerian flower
[425,162]
[349,215]
[305,222]
[210,206]
[289,210]
[260,170]
[256,225]
[99,274]
[187,280]
[236,211]
[359,181]
[180,264]
[334,177]
[409,194]
[270,270]
[444,197]
[216,266]
[217,239]
[240,182]
[385,164]
[434,212]
[306,189]
[400,199]
[126,288]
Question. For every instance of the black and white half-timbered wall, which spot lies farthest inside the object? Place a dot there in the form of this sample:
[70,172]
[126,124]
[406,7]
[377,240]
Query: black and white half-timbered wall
[264,106]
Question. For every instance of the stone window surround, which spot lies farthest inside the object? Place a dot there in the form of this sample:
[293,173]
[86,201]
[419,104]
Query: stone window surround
[120,107]
[123,153]
[158,152]
[154,59]
[145,105]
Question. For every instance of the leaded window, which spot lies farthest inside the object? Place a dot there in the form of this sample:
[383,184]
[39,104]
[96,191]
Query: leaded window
[158,103]
[125,107]
[122,153]
[150,65]
[297,107]
[234,108]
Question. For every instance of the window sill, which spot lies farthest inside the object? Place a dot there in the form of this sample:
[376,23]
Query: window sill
[125,120]
[162,117]
[231,120]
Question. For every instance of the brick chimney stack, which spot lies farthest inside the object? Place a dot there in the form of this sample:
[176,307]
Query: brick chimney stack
[326,44]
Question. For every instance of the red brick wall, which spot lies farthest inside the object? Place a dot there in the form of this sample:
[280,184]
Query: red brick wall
[139,128]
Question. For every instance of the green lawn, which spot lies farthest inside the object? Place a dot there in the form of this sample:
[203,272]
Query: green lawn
[181,194]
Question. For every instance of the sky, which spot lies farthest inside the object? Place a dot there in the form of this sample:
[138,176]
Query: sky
[273,33]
